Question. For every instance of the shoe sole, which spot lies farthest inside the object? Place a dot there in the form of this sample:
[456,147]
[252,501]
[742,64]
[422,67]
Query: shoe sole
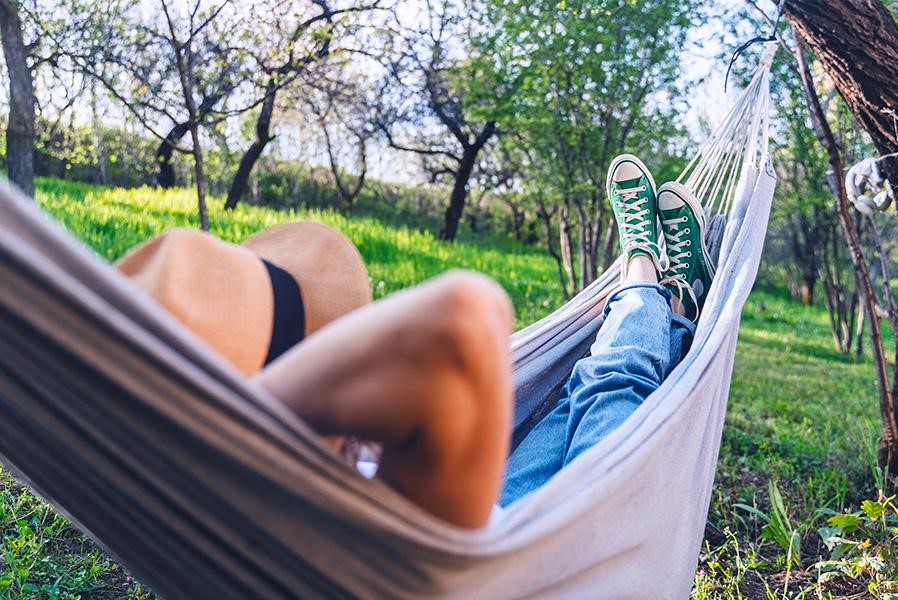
[685,194]
[628,158]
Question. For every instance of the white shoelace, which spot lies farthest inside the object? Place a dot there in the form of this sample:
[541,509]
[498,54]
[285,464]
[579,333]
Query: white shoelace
[634,226]
[677,252]
[679,281]
[676,245]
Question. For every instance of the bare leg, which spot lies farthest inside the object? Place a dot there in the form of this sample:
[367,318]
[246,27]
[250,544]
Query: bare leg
[426,372]
[677,306]
[641,270]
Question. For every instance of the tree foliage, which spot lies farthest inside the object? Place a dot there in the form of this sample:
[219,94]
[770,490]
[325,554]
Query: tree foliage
[579,83]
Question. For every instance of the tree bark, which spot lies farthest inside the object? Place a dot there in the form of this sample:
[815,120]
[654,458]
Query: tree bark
[97,133]
[166,175]
[567,247]
[610,244]
[200,170]
[462,177]
[184,59]
[856,41]
[252,154]
[546,218]
[888,445]
[459,194]
[20,133]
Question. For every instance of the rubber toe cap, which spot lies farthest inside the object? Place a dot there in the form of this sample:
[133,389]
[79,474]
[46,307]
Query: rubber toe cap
[626,171]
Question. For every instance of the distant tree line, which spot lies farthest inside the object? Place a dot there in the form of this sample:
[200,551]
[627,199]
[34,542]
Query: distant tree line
[527,102]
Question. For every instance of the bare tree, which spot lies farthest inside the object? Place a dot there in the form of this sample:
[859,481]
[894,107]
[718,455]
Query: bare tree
[185,60]
[140,63]
[185,71]
[20,135]
[341,115]
[424,90]
[312,29]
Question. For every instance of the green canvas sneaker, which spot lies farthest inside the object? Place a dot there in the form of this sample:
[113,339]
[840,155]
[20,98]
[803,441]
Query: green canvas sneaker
[689,270]
[631,191]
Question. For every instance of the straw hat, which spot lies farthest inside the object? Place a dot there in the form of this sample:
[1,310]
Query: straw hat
[252,301]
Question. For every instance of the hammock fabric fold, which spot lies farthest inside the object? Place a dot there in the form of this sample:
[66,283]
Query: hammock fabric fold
[205,486]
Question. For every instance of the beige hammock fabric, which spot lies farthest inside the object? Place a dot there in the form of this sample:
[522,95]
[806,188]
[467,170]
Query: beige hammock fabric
[205,487]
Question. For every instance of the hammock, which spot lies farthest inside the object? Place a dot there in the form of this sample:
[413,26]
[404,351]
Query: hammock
[204,486]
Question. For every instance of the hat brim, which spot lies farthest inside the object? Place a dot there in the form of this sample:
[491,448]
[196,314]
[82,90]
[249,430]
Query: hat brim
[327,266]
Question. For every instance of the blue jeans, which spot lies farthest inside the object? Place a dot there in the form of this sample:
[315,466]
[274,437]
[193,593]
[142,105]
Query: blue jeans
[638,345]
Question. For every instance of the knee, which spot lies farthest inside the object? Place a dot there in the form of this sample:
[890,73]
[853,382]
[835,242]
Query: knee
[467,425]
[473,312]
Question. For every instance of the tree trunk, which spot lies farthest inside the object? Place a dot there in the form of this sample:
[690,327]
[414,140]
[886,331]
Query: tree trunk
[97,133]
[459,193]
[808,281]
[856,41]
[349,193]
[186,75]
[610,244]
[518,216]
[166,175]
[200,169]
[583,245]
[546,218]
[567,247]
[462,177]
[252,154]
[20,133]
[888,445]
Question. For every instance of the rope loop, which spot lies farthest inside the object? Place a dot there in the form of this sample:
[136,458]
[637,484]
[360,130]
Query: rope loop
[747,45]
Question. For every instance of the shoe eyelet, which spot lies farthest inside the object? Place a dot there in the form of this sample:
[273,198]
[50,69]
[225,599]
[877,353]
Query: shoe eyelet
[686,231]
[688,242]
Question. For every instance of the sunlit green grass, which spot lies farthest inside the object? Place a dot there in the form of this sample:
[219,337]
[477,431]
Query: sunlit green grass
[799,412]
[806,417]
[113,220]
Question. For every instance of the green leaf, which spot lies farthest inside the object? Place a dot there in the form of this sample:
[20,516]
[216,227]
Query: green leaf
[795,548]
[847,522]
[873,509]
[827,533]
[753,510]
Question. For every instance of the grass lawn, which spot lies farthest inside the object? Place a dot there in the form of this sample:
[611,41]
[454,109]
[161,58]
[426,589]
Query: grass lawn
[802,418]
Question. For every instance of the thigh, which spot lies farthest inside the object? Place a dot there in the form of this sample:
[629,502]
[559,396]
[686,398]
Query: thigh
[628,361]
[539,455]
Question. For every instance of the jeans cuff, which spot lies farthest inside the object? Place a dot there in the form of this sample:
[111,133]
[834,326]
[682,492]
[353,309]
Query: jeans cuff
[680,320]
[663,291]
